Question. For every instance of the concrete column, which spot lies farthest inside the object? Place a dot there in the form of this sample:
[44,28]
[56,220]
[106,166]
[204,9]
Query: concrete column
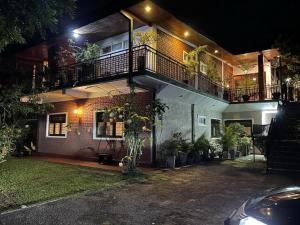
[261,79]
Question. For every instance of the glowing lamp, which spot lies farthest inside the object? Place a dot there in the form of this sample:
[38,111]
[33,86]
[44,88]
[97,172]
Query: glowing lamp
[78,112]
[216,51]
[186,34]
[148,8]
[75,34]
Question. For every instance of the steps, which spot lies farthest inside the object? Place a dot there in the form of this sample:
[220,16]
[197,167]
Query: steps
[283,148]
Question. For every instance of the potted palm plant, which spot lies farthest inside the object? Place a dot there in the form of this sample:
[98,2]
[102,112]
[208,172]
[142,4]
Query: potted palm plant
[246,82]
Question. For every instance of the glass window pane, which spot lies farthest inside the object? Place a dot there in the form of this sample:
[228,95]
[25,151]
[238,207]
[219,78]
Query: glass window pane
[117,47]
[106,50]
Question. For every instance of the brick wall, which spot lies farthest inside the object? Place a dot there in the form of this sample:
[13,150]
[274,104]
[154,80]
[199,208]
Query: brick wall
[81,135]
[171,46]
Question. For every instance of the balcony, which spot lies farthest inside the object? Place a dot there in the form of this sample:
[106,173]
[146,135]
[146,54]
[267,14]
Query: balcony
[146,60]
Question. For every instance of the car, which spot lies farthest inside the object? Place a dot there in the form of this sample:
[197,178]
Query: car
[278,206]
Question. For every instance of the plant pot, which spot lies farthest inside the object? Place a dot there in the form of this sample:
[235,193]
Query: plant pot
[276,95]
[246,98]
[226,95]
[141,63]
[198,157]
[170,162]
[232,154]
[183,158]
[190,160]
[220,154]
[225,155]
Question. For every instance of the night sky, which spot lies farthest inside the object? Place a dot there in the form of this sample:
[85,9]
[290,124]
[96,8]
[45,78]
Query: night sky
[239,26]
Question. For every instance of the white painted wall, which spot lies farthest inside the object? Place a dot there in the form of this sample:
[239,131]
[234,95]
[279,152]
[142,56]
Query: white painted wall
[178,118]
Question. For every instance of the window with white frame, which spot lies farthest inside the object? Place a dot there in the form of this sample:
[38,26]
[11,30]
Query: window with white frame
[114,47]
[215,128]
[203,67]
[56,125]
[201,120]
[185,56]
[107,129]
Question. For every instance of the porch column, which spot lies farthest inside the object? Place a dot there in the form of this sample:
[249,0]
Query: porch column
[261,80]
[130,44]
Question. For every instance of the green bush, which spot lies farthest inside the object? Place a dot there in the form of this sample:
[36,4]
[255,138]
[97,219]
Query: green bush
[230,136]
[202,146]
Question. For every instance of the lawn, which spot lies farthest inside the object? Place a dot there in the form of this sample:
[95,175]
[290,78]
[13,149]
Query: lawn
[24,181]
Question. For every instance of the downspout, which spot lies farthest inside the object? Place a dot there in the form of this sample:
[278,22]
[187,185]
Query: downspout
[130,44]
[154,141]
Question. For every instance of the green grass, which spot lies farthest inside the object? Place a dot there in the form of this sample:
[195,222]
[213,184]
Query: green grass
[25,181]
[258,165]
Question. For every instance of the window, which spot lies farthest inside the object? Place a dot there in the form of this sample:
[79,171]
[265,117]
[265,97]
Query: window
[103,129]
[215,128]
[125,44]
[185,56]
[106,50]
[56,125]
[203,67]
[116,47]
[201,120]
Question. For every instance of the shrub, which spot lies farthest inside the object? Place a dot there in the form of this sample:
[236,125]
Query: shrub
[202,146]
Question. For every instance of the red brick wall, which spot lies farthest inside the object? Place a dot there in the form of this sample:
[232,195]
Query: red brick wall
[76,144]
[171,46]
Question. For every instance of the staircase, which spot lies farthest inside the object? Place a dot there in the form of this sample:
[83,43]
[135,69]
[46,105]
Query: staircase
[283,145]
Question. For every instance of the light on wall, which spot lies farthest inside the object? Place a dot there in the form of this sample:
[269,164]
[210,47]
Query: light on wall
[78,112]
[216,51]
[186,34]
[148,8]
[76,34]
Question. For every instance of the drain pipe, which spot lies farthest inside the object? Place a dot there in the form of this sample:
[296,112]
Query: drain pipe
[130,44]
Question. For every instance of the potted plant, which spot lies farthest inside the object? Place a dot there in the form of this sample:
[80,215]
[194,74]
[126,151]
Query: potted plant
[230,136]
[246,82]
[169,150]
[201,149]
[245,145]
[276,95]
[216,149]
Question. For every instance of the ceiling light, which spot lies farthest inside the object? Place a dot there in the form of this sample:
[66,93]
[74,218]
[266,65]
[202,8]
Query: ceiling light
[75,34]
[216,51]
[186,34]
[254,78]
[148,8]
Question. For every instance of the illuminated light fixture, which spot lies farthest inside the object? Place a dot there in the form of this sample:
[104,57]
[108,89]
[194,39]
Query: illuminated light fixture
[216,51]
[186,34]
[75,34]
[78,112]
[254,78]
[288,79]
[148,8]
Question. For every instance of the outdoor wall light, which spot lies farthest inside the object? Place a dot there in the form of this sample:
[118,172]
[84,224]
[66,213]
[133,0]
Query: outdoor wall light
[186,34]
[148,8]
[78,112]
[75,34]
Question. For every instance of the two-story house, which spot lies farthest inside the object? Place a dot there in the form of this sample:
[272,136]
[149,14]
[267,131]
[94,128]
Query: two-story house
[197,104]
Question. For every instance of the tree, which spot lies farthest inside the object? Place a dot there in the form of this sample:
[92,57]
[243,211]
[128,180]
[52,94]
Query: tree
[14,116]
[21,19]
[137,124]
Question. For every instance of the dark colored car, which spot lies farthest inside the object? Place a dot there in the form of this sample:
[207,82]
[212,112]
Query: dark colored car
[280,206]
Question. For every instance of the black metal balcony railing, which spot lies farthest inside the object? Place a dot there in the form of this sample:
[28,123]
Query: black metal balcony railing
[270,92]
[145,58]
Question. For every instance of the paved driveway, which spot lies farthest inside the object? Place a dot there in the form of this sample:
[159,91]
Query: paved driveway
[202,195]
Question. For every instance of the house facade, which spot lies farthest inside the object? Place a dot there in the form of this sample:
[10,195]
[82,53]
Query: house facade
[198,103]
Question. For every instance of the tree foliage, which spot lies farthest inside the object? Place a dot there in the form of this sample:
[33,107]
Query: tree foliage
[21,19]
[14,116]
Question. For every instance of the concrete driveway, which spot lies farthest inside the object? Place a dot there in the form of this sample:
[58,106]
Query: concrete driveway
[201,195]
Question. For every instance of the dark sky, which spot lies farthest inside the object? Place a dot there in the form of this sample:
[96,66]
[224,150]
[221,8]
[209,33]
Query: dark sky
[239,25]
